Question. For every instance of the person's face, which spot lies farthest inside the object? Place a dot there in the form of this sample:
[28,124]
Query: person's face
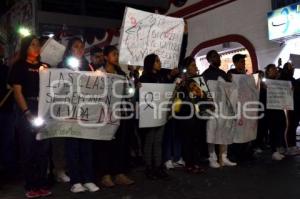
[215,59]
[97,58]
[113,57]
[273,73]
[240,65]
[157,64]
[195,89]
[77,49]
[192,69]
[34,48]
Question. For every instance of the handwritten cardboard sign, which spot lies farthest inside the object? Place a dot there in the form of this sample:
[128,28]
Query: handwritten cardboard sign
[52,52]
[79,104]
[153,106]
[145,33]
[279,95]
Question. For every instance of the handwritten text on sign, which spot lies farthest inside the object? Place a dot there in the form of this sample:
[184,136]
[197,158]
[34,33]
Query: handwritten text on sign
[279,95]
[154,103]
[79,104]
[145,33]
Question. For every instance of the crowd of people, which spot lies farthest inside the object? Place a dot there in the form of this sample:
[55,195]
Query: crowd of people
[90,165]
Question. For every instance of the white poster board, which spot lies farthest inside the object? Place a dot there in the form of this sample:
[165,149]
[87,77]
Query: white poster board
[220,128]
[144,33]
[52,52]
[79,104]
[279,95]
[248,99]
[154,102]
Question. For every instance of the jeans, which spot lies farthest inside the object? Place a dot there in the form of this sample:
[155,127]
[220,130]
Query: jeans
[79,158]
[35,154]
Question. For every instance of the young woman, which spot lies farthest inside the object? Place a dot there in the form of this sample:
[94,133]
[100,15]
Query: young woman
[276,120]
[114,155]
[79,152]
[153,136]
[25,82]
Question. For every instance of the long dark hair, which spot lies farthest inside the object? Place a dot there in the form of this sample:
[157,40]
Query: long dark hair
[108,49]
[149,63]
[68,51]
[25,43]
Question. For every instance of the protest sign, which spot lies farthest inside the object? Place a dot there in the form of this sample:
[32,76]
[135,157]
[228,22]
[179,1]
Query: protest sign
[145,33]
[153,106]
[220,128]
[245,129]
[79,104]
[279,95]
[52,52]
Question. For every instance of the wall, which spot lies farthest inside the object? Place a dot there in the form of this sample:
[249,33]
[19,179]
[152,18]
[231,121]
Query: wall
[243,17]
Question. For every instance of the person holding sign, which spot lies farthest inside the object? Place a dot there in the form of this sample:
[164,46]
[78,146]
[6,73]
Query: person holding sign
[153,136]
[276,120]
[25,83]
[79,152]
[213,73]
[113,155]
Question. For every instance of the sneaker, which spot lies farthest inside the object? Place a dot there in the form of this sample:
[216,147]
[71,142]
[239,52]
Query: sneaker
[291,151]
[78,188]
[122,179]
[258,150]
[62,177]
[45,192]
[91,187]
[32,194]
[169,164]
[227,162]
[107,182]
[179,163]
[213,163]
[276,156]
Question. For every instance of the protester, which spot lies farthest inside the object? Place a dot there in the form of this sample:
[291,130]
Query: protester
[276,120]
[97,58]
[241,152]
[153,136]
[25,82]
[113,155]
[78,151]
[292,116]
[213,73]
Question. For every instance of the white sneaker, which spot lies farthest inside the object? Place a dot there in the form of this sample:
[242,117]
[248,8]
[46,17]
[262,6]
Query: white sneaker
[91,187]
[179,163]
[62,177]
[213,163]
[227,162]
[78,188]
[277,156]
[169,164]
[258,150]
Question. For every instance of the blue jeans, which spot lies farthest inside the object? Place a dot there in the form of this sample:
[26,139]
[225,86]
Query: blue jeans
[172,141]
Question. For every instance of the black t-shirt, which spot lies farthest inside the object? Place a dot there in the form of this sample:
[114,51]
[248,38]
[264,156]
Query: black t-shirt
[213,73]
[27,75]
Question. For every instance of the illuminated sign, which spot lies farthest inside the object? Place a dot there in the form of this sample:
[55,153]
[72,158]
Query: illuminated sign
[284,22]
